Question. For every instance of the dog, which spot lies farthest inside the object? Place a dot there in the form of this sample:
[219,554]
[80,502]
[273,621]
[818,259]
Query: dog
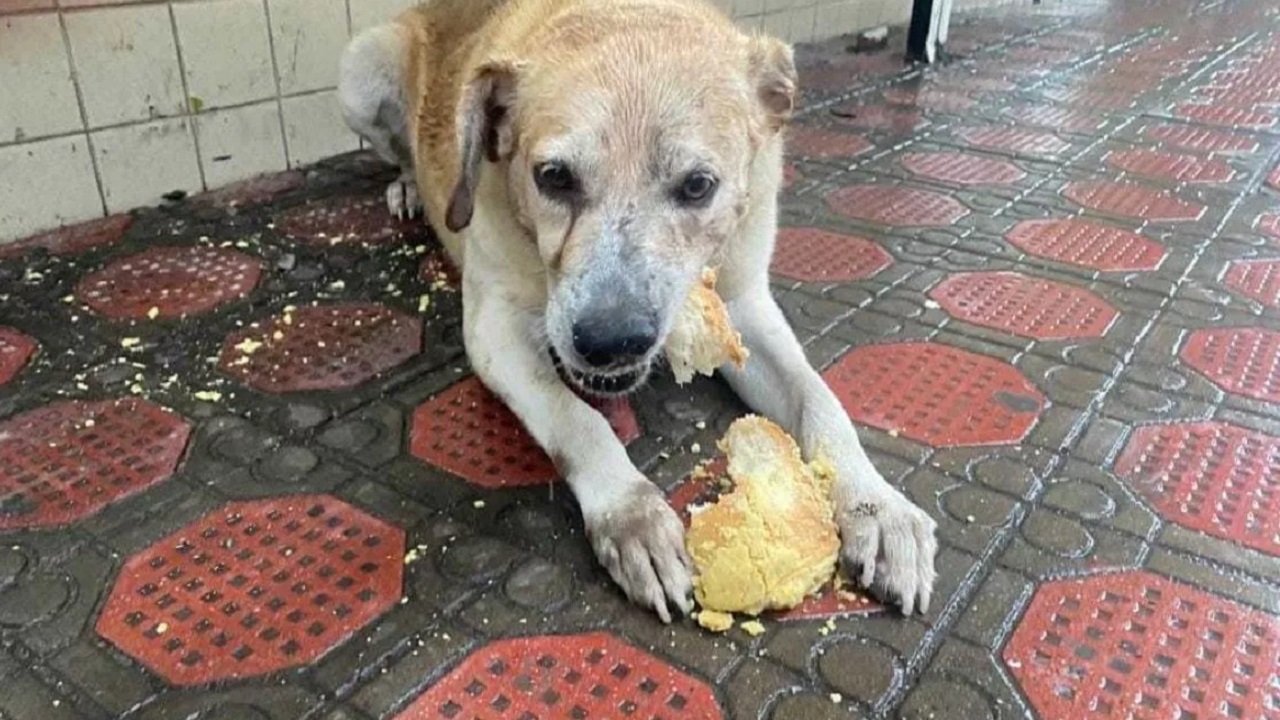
[582,161]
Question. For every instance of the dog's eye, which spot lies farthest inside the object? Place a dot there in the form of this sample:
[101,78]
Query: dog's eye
[697,188]
[555,180]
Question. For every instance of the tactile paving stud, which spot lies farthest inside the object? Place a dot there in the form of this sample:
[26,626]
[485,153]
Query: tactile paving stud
[1024,306]
[353,219]
[1057,118]
[1219,479]
[1028,142]
[1174,167]
[1131,200]
[469,432]
[833,600]
[321,347]
[1256,279]
[67,461]
[16,350]
[1084,243]
[593,675]
[1225,115]
[959,168]
[1138,646]
[936,394]
[897,206]
[1190,137]
[169,282]
[254,587]
[811,254]
[825,144]
[1241,360]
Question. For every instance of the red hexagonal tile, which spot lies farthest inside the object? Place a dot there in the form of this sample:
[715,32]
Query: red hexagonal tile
[1219,479]
[1224,115]
[1257,279]
[352,219]
[253,588]
[1085,243]
[899,206]
[1240,360]
[16,350]
[1014,140]
[930,99]
[1269,224]
[469,432]
[936,394]
[1025,306]
[71,239]
[593,675]
[1058,118]
[169,282]
[832,601]
[1136,645]
[1131,200]
[1190,137]
[811,254]
[886,118]
[826,144]
[962,168]
[320,347]
[1174,167]
[67,461]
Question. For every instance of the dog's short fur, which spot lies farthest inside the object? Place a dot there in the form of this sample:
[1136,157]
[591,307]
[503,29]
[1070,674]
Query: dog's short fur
[582,161]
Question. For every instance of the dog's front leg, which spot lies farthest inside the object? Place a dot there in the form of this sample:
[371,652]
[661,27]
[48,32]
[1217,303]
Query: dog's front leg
[634,532]
[884,535]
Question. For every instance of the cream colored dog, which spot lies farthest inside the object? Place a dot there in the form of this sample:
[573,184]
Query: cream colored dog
[583,160]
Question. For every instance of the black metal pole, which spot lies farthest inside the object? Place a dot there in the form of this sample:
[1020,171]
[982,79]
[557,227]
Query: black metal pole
[918,32]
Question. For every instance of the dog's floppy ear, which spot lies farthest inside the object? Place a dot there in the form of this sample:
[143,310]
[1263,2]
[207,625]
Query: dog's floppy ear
[484,130]
[773,71]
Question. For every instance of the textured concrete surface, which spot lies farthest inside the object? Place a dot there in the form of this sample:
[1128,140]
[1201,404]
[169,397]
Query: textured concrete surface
[246,474]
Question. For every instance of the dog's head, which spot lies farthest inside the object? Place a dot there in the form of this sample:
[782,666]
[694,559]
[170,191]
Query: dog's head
[630,138]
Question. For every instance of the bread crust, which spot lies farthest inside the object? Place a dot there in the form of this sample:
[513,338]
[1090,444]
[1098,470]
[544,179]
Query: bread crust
[703,339]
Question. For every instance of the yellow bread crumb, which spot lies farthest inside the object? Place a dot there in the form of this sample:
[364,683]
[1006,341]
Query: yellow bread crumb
[754,628]
[714,621]
[772,541]
[702,339]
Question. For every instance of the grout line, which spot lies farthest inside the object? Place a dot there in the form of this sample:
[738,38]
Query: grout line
[84,113]
[192,122]
[275,73]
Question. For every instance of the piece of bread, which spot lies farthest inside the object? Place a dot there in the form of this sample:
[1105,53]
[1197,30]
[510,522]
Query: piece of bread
[772,541]
[702,339]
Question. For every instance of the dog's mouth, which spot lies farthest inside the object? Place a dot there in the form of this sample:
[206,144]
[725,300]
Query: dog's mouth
[611,384]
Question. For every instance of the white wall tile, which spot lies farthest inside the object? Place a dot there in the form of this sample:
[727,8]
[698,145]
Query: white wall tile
[226,51]
[314,127]
[127,63]
[309,36]
[139,163]
[238,143]
[367,13]
[35,79]
[57,186]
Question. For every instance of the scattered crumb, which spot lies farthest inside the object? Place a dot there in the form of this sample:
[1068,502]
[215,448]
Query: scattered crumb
[837,698]
[701,425]
[695,448]
[477,504]
[130,342]
[162,628]
[153,313]
[248,346]
[894,432]
[208,395]
[337,285]
[412,556]
[715,621]
[754,628]
[932,304]
[424,302]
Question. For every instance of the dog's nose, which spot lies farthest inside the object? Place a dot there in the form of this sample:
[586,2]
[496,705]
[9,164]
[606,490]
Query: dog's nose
[606,341]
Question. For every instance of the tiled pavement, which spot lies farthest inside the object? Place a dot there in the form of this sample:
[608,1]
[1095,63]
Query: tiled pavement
[245,473]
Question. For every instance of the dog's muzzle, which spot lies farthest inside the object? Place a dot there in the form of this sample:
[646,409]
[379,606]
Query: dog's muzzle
[602,384]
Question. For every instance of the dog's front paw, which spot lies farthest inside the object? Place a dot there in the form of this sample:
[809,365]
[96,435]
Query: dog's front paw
[403,200]
[888,543]
[640,541]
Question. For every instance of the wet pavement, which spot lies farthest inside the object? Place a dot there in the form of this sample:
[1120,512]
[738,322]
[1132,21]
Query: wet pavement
[246,474]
